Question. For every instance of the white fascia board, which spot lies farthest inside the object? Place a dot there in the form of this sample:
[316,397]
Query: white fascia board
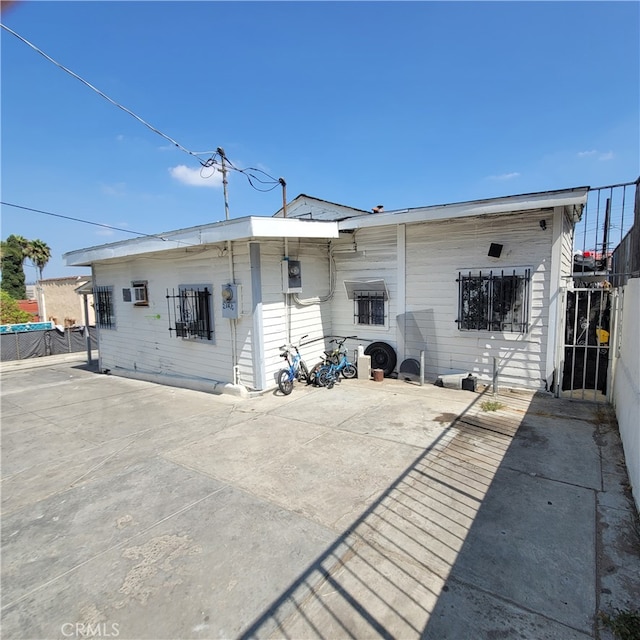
[574,198]
[293,228]
[238,229]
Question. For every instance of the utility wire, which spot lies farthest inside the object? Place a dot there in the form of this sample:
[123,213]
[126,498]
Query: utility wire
[96,224]
[104,95]
[211,162]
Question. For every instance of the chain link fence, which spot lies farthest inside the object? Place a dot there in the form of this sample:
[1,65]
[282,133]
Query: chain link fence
[49,342]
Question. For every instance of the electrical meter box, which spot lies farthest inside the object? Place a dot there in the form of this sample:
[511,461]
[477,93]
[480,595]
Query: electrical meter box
[291,276]
[231,303]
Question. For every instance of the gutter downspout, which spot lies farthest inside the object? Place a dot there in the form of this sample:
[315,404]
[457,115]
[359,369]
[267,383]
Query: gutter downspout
[233,326]
[287,298]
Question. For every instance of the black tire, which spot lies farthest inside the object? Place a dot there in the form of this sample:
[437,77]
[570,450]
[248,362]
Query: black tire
[350,371]
[325,377]
[284,383]
[303,374]
[383,357]
[313,375]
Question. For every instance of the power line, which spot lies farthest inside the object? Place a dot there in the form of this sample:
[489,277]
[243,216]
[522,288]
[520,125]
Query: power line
[211,162]
[96,224]
[103,95]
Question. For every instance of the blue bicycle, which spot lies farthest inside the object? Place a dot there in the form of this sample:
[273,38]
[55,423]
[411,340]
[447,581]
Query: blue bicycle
[336,363]
[297,369]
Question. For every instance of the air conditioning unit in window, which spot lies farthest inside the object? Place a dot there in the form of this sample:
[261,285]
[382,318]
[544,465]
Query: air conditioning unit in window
[135,295]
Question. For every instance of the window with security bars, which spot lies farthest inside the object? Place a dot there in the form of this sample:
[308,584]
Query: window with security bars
[494,301]
[190,312]
[103,306]
[369,307]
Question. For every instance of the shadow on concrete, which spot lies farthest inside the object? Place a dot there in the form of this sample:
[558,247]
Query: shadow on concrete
[91,367]
[490,532]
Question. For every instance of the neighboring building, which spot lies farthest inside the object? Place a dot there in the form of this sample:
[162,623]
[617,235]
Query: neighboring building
[30,306]
[30,291]
[466,283]
[59,302]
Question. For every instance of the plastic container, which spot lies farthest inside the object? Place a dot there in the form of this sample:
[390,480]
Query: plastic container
[452,380]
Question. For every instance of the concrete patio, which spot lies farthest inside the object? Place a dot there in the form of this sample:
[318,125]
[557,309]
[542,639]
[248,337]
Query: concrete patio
[388,509]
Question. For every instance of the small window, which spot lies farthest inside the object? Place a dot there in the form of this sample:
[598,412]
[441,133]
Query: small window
[192,315]
[139,296]
[494,301]
[369,307]
[103,305]
[136,294]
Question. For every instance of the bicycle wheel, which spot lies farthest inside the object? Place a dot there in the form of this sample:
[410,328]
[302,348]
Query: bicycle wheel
[324,376]
[313,375]
[285,383]
[350,371]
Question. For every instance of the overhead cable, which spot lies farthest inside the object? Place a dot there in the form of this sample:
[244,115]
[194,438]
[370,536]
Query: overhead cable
[104,95]
[250,173]
[96,224]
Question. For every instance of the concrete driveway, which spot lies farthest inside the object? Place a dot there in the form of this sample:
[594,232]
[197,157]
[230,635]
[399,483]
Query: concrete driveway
[391,510]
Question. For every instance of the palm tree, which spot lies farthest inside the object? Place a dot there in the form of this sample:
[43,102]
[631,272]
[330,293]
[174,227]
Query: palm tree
[39,253]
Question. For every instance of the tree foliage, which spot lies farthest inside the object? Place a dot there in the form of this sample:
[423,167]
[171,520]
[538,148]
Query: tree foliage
[39,253]
[10,312]
[12,271]
[13,252]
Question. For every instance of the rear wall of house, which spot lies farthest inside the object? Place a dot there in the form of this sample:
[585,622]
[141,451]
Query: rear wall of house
[284,318]
[141,342]
[427,269]
[436,254]
[368,254]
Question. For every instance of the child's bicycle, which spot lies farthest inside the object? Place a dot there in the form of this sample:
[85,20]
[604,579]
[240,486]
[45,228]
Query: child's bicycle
[297,369]
[335,364]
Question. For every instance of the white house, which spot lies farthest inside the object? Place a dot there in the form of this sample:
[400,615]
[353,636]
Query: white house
[470,284]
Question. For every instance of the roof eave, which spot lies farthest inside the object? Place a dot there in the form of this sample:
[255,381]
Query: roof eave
[574,198]
[229,230]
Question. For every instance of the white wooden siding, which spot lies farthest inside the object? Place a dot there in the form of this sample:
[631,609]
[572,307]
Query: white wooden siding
[285,320]
[141,341]
[375,256]
[435,254]
[566,266]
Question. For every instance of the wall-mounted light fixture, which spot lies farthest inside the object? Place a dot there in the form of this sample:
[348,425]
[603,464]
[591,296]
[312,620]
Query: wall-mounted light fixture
[543,224]
[495,250]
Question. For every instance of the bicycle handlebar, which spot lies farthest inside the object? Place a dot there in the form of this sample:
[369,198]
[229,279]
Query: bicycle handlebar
[341,341]
[288,347]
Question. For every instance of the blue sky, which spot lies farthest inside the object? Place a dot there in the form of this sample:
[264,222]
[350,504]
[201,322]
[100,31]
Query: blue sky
[403,104]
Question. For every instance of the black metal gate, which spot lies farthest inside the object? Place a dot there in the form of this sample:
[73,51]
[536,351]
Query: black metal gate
[587,340]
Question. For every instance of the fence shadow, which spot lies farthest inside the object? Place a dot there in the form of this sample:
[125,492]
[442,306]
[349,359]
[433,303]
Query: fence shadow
[384,576]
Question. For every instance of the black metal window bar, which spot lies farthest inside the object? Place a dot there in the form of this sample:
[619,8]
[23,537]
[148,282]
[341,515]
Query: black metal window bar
[369,307]
[494,301]
[190,312]
[103,305]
